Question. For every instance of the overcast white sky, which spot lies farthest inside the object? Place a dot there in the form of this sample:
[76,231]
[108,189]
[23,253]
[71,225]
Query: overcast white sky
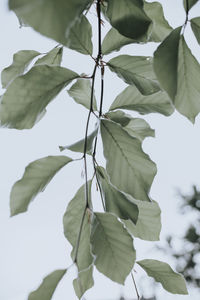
[33,244]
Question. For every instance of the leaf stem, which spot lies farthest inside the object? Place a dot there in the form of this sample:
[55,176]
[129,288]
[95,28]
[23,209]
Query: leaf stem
[137,293]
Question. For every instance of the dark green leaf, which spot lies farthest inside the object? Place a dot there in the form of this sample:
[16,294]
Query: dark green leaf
[84,282]
[36,177]
[163,273]
[132,99]
[21,60]
[129,168]
[48,286]
[112,246]
[81,93]
[191,3]
[26,98]
[195,24]
[136,70]
[52,58]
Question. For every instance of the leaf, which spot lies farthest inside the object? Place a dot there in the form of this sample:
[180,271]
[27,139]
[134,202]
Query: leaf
[80,36]
[163,273]
[136,127]
[129,168]
[26,98]
[126,15]
[36,177]
[191,3]
[40,13]
[112,246]
[195,24]
[52,58]
[166,62]
[79,146]
[116,202]
[84,282]
[21,60]
[136,70]
[72,221]
[148,225]
[132,99]
[81,93]
[48,286]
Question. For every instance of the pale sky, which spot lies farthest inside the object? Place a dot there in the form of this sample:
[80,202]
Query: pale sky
[33,244]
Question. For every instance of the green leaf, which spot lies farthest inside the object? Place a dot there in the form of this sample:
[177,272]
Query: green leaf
[163,273]
[136,70]
[166,62]
[84,282]
[48,286]
[148,225]
[195,24]
[72,221]
[116,202]
[21,60]
[79,146]
[132,99]
[126,15]
[136,127]
[52,58]
[191,3]
[112,246]
[36,177]
[50,18]
[80,36]
[129,168]
[26,98]
[187,100]
[81,93]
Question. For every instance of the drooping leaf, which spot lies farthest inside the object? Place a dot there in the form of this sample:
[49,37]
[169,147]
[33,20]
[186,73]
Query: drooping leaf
[163,273]
[36,177]
[50,18]
[116,202]
[48,286]
[81,93]
[79,146]
[112,246]
[136,127]
[132,99]
[148,225]
[195,24]
[72,221]
[52,58]
[129,168]
[187,100]
[21,60]
[128,17]
[166,62]
[26,98]
[191,3]
[84,282]
[136,70]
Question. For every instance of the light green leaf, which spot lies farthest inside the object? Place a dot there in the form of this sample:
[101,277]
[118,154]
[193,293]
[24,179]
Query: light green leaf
[163,273]
[126,15]
[21,60]
[129,168]
[36,177]
[84,282]
[79,146]
[132,99]
[116,202]
[195,24]
[81,93]
[72,221]
[48,286]
[112,246]
[166,62]
[26,98]
[136,70]
[52,58]
[40,13]
[148,225]
[191,3]
[187,100]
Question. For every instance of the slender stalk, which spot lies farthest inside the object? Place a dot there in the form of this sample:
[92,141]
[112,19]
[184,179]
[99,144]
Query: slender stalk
[137,293]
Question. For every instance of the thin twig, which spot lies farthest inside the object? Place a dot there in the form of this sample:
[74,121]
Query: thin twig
[137,293]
